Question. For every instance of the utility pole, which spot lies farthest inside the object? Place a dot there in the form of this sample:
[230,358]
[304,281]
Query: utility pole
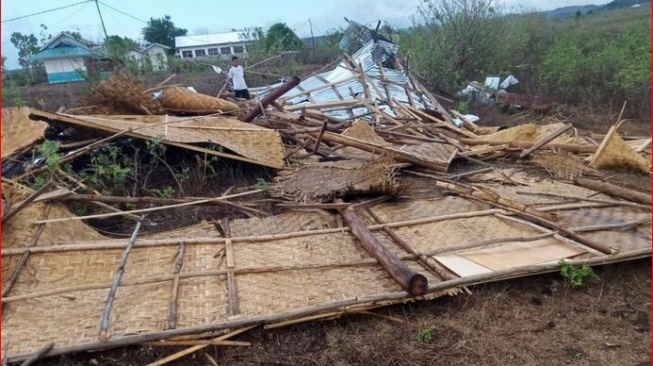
[312,38]
[101,20]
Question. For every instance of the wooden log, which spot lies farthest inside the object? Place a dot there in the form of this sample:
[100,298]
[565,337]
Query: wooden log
[271,97]
[614,190]
[545,140]
[435,268]
[108,305]
[174,299]
[412,282]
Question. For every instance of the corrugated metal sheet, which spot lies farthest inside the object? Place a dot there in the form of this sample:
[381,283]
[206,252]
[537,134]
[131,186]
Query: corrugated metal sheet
[373,53]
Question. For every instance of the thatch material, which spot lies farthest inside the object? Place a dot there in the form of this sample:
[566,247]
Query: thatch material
[121,93]
[177,98]
[614,152]
[529,132]
[562,165]
[18,131]
[326,181]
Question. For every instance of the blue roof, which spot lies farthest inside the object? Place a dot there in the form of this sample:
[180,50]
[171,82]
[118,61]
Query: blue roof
[65,46]
[66,51]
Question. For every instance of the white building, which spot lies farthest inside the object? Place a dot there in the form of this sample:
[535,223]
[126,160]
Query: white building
[154,54]
[218,44]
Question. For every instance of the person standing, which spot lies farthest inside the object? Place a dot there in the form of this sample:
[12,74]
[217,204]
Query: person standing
[236,76]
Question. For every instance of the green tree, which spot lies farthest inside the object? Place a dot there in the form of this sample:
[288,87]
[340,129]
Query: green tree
[281,38]
[118,46]
[28,46]
[4,59]
[162,31]
[458,40]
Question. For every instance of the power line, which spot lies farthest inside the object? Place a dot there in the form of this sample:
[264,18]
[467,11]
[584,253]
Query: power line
[122,12]
[70,16]
[45,11]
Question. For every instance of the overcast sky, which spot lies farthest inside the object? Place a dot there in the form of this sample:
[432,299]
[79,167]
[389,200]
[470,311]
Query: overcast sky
[202,16]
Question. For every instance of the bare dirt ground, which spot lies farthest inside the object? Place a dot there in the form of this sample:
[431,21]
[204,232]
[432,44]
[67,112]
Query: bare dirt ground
[537,320]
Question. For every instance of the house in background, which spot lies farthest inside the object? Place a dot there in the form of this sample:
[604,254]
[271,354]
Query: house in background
[68,59]
[218,44]
[154,55]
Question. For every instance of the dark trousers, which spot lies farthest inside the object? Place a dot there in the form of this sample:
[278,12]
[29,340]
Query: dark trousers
[244,94]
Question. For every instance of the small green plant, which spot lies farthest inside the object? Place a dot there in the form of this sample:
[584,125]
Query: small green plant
[576,276]
[426,334]
[463,107]
[166,192]
[261,183]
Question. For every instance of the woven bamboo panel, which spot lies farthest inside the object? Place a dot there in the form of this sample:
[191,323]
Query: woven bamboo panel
[271,276]
[251,141]
[441,154]
[18,131]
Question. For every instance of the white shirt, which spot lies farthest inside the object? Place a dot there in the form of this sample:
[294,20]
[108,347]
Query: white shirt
[237,75]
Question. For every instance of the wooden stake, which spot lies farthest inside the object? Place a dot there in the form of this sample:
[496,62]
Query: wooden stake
[172,319]
[412,282]
[104,321]
[319,137]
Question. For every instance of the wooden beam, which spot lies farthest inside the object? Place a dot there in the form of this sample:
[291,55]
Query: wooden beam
[271,97]
[412,282]
[614,190]
[545,140]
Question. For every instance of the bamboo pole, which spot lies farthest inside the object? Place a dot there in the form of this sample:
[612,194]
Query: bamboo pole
[579,149]
[145,243]
[412,282]
[614,190]
[193,349]
[185,204]
[174,298]
[104,321]
[384,298]
[545,140]
[38,354]
[234,308]
[21,205]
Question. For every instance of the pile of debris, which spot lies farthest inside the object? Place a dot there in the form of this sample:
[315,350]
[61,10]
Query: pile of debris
[348,235]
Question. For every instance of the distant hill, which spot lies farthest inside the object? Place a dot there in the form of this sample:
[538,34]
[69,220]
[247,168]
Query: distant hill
[613,5]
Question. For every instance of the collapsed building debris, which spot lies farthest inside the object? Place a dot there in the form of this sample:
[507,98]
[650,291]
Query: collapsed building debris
[346,235]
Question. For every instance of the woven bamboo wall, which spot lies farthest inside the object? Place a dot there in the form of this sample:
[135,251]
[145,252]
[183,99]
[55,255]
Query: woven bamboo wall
[59,296]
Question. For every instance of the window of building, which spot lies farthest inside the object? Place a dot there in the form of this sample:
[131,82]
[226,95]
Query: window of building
[238,49]
[213,51]
[185,54]
[200,53]
[225,50]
